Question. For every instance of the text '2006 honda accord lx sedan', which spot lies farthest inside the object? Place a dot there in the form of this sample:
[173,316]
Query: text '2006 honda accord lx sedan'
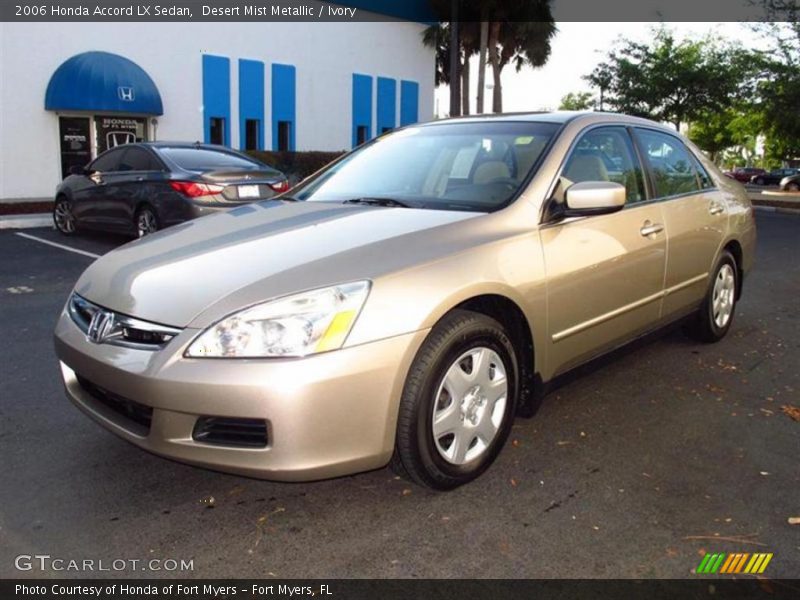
[404,304]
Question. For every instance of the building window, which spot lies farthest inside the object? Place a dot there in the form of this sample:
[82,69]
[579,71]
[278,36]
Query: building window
[251,127]
[284,135]
[362,134]
[217,130]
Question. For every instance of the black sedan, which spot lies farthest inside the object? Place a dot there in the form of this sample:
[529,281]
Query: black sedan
[773,177]
[143,187]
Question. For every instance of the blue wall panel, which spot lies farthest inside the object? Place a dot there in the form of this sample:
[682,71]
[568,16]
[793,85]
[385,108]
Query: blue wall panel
[362,105]
[409,102]
[387,104]
[283,101]
[251,98]
[216,94]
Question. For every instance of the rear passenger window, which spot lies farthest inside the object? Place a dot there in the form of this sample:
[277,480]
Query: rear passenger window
[604,154]
[671,163]
[137,159]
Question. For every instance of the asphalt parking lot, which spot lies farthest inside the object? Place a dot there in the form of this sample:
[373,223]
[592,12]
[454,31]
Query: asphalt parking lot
[633,468]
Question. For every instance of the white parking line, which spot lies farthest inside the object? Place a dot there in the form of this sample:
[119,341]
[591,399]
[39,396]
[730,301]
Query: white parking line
[57,245]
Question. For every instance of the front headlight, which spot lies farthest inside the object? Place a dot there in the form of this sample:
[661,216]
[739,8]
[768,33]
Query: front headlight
[297,325]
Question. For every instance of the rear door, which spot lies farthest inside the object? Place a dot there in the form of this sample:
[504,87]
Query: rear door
[695,217]
[133,184]
[89,197]
[605,273]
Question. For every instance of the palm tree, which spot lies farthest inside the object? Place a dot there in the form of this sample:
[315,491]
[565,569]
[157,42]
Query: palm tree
[507,31]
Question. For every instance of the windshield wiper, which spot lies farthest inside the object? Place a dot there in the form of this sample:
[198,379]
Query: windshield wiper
[378,202]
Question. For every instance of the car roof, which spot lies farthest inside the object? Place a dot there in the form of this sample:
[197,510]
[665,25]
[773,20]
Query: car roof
[561,117]
[192,145]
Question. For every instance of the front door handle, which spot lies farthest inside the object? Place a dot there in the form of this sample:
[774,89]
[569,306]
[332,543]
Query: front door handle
[716,208]
[649,229]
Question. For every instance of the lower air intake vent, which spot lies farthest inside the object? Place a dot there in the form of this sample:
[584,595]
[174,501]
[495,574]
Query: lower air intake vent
[226,431]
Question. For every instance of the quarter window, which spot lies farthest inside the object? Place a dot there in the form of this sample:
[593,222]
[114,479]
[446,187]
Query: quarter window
[670,162]
[604,154]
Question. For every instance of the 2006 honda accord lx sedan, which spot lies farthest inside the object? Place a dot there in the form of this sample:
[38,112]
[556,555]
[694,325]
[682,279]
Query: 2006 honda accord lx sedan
[408,301]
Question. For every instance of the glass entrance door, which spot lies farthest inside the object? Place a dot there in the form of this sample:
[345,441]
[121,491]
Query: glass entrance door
[75,143]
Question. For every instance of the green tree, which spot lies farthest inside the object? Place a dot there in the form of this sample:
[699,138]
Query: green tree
[577,101]
[671,80]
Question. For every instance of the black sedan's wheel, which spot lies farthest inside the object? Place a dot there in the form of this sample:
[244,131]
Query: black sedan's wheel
[715,316]
[458,403]
[63,218]
[793,186]
[759,181]
[146,221]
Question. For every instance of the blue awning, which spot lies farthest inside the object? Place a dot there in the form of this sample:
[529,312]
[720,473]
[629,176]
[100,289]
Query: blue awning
[102,82]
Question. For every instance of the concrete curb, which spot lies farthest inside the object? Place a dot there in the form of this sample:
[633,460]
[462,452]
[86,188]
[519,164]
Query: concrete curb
[26,221]
[777,209]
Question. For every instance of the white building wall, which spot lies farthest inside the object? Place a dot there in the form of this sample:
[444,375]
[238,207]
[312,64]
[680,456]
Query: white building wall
[325,55]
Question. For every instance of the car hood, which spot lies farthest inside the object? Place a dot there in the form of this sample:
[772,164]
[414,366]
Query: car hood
[198,271]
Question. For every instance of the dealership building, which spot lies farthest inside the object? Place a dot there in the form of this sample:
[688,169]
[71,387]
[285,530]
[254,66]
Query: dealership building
[69,91]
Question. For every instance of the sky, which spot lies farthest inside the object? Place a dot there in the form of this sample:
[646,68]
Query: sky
[576,50]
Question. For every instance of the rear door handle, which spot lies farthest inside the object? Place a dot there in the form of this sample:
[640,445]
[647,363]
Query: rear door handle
[649,229]
[716,208]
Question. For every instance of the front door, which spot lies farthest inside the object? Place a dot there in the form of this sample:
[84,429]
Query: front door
[605,274]
[75,142]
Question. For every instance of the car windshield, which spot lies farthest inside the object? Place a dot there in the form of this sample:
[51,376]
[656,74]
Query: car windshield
[453,166]
[205,159]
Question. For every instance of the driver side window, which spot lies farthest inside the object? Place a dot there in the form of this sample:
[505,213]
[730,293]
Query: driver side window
[603,154]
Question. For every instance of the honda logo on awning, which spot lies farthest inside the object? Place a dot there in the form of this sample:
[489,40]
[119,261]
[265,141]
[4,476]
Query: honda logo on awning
[125,93]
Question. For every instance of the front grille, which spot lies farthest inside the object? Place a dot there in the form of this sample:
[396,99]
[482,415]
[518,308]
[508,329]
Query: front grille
[226,431]
[137,417]
[118,329]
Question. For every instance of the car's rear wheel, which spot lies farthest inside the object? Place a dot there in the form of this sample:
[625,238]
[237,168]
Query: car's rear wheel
[63,217]
[759,181]
[793,186]
[146,221]
[458,402]
[715,316]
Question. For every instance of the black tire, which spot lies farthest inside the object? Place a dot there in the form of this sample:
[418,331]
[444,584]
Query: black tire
[793,186]
[759,181]
[63,218]
[416,456]
[146,214]
[704,327]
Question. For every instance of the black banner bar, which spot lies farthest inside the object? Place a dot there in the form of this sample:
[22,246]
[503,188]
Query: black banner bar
[422,11]
[400,589]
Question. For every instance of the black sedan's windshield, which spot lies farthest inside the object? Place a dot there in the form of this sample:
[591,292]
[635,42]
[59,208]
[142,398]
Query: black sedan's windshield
[452,166]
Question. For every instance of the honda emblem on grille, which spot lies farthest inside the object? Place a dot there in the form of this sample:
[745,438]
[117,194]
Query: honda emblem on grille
[101,326]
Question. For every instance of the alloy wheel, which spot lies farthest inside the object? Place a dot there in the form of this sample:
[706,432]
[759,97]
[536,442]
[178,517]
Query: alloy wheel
[146,223]
[63,217]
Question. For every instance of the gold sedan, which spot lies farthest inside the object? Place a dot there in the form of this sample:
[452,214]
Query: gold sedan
[408,301]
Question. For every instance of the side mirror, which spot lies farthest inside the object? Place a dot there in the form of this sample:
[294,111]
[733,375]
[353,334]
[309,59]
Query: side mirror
[594,198]
[77,170]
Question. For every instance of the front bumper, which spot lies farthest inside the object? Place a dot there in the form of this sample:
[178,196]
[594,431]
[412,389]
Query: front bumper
[327,415]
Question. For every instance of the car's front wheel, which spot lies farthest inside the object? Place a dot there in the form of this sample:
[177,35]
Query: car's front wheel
[458,402]
[759,181]
[63,217]
[715,316]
